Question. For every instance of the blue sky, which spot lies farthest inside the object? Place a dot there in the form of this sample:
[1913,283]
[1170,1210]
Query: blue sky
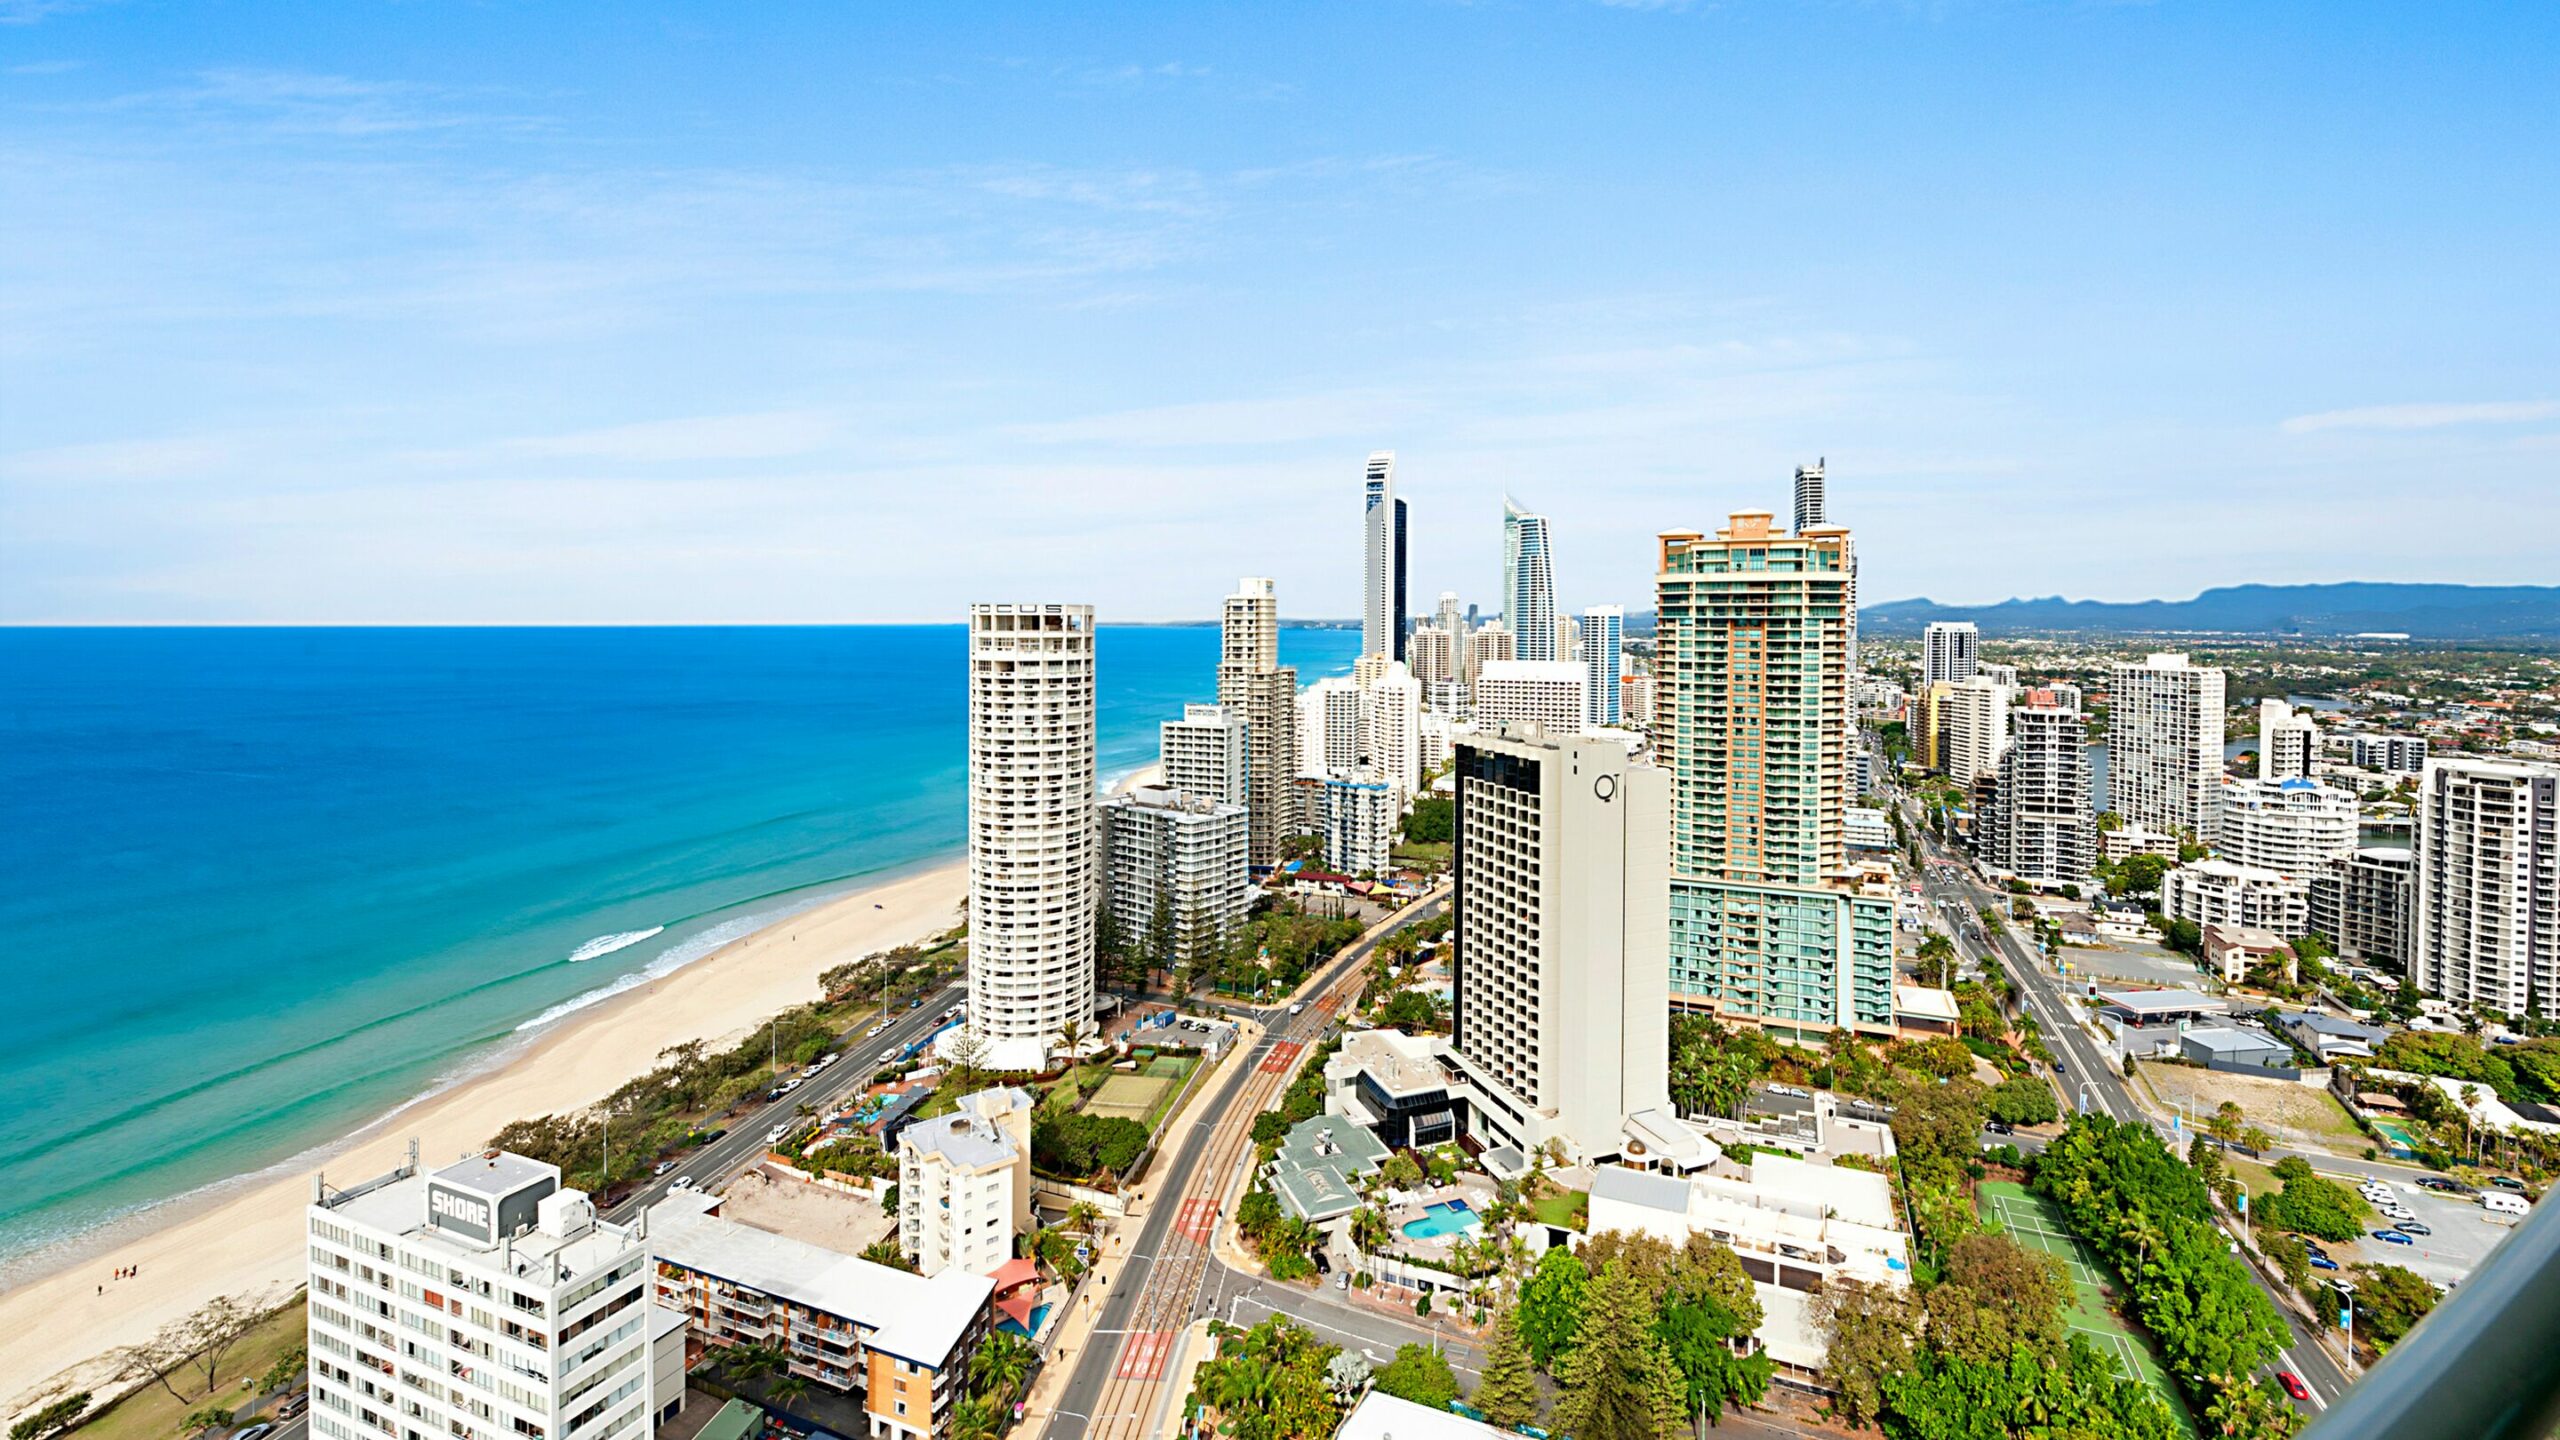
[347,312]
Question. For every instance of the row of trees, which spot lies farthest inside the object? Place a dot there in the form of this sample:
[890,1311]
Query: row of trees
[1984,1352]
[1639,1337]
[2148,1213]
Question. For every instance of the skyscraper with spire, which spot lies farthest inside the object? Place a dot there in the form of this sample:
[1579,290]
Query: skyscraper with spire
[1528,583]
[1809,499]
[1382,524]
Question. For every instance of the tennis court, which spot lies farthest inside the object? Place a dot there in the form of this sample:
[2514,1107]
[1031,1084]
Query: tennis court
[1127,1096]
[2033,1221]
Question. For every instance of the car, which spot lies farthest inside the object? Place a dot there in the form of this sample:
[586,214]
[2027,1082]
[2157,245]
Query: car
[2507,1182]
[774,1135]
[1342,1282]
[259,1431]
[681,1182]
[1999,1127]
[2442,1186]
[2392,1237]
[1299,1008]
[2293,1385]
[294,1405]
[888,1057]
[2322,1262]
[662,1167]
[2416,1227]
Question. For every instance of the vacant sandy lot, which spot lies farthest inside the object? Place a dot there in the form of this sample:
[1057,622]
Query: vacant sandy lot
[2294,1114]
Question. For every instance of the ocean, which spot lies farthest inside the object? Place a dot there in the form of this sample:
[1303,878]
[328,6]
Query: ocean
[259,886]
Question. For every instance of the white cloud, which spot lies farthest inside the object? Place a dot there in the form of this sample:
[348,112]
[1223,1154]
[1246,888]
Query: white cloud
[2426,416]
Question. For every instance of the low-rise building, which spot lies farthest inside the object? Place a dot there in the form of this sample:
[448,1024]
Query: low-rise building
[1794,1224]
[2232,951]
[2219,892]
[2128,840]
[2239,1049]
[964,1183]
[1316,1174]
[900,1344]
[2149,1022]
[1381,1416]
[2331,1038]
[1865,828]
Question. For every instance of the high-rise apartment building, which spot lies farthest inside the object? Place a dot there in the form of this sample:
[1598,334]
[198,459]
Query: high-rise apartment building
[2164,744]
[1176,878]
[1544,693]
[481,1301]
[2293,827]
[2391,754]
[1751,670]
[1489,642]
[1359,821]
[1434,654]
[1950,650]
[2004,676]
[1528,583]
[1252,683]
[2223,892]
[1391,730]
[2288,743]
[1604,636]
[1208,755]
[1636,700]
[1382,518]
[1974,717]
[2046,832]
[2362,904]
[964,1183]
[1453,620]
[1329,727]
[2485,924]
[1034,863]
[1809,503]
[1561,930]
[1568,638]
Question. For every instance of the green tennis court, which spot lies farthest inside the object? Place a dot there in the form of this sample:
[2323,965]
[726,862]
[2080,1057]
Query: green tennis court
[2033,1221]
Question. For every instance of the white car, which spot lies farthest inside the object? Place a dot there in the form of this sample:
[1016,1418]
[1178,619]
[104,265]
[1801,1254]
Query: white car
[774,1135]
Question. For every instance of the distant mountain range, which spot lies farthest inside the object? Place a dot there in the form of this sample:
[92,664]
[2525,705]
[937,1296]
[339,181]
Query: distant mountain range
[2430,612]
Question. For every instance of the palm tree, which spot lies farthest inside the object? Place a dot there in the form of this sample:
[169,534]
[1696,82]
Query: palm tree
[1071,1038]
[1000,1365]
[1083,1216]
[788,1389]
[973,1419]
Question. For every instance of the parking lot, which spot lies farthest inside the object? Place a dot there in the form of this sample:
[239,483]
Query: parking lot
[2464,1236]
[2135,961]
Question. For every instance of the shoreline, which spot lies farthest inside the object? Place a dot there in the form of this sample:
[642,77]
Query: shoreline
[242,1236]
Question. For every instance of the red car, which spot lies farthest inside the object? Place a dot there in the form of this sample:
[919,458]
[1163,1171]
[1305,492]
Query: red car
[2293,1385]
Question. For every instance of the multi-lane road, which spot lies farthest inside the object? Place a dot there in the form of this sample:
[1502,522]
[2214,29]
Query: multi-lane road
[2091,1081]
[713,1165]
[1119,1384]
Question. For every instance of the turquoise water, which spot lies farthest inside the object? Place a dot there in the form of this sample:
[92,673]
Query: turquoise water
[1449,1217]
[263,885]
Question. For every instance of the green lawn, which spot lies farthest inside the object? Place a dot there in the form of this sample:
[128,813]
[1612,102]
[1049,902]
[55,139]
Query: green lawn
[2032,1220]
[1572,1209]
[151,1415]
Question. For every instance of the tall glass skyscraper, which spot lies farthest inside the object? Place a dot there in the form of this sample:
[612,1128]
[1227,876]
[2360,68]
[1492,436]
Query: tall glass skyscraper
[1604,633]
[1382,529]
[1528,583]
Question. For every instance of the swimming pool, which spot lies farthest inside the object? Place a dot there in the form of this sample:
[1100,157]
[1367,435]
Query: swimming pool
[2396,1138]
[1446,1218]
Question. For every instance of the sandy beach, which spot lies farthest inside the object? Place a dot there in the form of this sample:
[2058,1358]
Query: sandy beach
[252,1241]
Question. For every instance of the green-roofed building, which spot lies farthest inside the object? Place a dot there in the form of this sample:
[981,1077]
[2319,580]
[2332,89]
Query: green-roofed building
[1316,1174]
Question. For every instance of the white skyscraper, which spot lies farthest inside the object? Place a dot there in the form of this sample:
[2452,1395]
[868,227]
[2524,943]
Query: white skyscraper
[1809,507]
[1359,821]
[1562,937]
[1208,754]
[1528,583]
[2293,827]
[1604,633]
[1950,650]
[1434,654]
[2044,829]
[1453,618]
[2288,743]
[1382,521]
[1974,716]
[964,1183]
[1545,693]
[1034,870]
[1252,683]
[462,1305]
[2164,744]
[1329,726]
[1391,730]
[2485,918]
[1174,863]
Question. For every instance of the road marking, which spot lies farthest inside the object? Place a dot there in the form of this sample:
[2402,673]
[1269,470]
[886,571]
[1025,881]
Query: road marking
[1199,1216]
[1143,1355]
[1282,1056]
